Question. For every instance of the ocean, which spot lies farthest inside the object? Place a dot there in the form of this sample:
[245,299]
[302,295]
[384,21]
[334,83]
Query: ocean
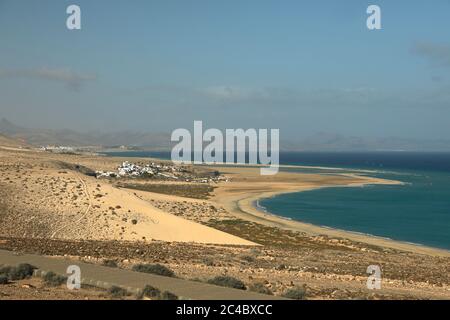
[417,211]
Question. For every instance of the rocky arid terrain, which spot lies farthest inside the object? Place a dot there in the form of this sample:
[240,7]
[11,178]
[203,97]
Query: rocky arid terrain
[36,289]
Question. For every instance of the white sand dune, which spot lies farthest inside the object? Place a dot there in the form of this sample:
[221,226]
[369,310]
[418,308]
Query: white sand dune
[153,223]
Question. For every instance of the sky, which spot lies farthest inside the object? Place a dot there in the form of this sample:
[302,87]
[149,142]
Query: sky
[303,67]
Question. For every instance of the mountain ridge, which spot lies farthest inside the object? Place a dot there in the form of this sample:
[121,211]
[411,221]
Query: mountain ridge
[321,141]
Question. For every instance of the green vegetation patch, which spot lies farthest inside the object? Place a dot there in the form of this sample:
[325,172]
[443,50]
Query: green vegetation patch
[3,279]
[19,272]
[157,269]
[53,279]
[150,292]
[227,281]
[260,288]
[117,292]
[167,295]
[195,191]
[297,293]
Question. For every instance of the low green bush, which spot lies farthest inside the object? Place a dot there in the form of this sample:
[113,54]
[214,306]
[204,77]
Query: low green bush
[166,295]
[154,269]
[260,288]
[150,292]
[22,271]
[297,293]
[19,272]
[5,270]
[117,292]
[3,279]
[53,279]
[227,281]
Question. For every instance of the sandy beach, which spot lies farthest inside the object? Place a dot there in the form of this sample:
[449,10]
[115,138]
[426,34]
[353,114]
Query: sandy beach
[241,199]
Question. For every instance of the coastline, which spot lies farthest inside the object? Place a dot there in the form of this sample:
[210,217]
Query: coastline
[248,205]
[132,226]
[247,186]
[241,200]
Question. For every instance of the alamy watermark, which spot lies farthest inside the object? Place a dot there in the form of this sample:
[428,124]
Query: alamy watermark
[374,280]
[73,21]
[74,278]
[236,146]
[374,20]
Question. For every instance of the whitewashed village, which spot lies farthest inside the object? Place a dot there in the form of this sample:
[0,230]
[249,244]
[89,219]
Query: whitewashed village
[160,171]
[151,170]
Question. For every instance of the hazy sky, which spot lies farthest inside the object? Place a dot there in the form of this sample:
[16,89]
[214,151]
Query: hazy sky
[301,66]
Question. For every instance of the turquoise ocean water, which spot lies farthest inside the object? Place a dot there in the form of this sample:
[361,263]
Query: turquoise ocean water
[417,212]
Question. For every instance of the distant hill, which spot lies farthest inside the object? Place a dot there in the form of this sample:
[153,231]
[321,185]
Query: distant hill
[42,137]
[161,141]
[9,128]
[12,143]
[336,142]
